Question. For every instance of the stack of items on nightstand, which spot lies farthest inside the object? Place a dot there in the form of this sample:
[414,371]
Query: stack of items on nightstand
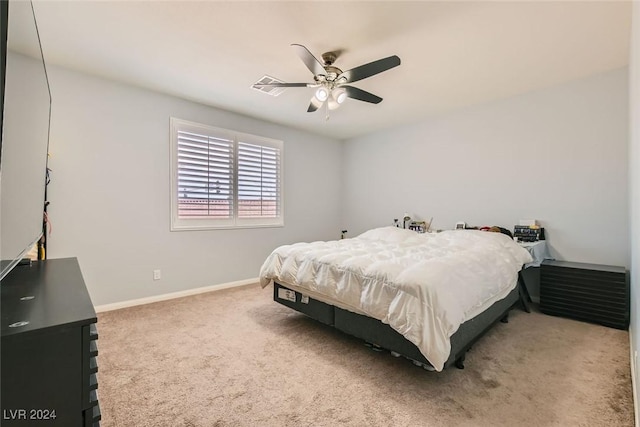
[528,230]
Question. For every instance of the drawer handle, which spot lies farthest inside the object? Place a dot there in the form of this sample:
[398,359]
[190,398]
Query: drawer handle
[19,324]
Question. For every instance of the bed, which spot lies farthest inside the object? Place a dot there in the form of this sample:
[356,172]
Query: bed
[425,296]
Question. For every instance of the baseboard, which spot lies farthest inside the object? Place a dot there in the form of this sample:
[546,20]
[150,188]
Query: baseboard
[634,384]
[173,295]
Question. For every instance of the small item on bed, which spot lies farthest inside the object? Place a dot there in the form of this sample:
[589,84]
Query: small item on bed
[497,229]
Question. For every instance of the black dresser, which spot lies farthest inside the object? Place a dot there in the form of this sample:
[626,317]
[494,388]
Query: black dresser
[48,349]
[589,292]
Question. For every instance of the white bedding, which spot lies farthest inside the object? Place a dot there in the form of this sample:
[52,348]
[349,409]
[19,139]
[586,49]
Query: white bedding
[423,285]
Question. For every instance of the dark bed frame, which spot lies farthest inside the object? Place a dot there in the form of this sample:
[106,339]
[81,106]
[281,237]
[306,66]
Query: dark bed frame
[381,336]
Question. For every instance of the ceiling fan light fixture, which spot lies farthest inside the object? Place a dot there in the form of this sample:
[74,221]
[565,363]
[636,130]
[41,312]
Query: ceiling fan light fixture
[322,94]
[339,94]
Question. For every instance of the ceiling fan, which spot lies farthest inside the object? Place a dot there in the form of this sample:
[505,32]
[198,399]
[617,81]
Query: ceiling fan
[332,83]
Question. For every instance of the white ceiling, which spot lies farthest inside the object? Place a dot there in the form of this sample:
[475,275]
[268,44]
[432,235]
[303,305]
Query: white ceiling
[454,54]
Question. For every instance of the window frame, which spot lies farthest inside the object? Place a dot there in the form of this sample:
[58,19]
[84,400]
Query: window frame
[208,223]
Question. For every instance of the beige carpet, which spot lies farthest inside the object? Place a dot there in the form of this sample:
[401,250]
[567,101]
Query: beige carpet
[236,358]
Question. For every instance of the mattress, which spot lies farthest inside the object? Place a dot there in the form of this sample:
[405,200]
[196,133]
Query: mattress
[422,285]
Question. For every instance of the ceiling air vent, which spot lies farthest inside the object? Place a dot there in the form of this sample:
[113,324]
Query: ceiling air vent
[273,91]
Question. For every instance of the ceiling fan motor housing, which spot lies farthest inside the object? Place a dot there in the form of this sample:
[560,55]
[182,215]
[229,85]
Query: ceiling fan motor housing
[329,58]
[332,72]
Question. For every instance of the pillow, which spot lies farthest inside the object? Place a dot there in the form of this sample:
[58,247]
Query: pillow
[387,234]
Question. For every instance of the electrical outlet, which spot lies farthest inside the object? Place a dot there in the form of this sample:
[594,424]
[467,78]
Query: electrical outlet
[157,275]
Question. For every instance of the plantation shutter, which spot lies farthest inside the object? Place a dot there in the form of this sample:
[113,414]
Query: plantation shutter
[224,179]
[205,176]
[258,181]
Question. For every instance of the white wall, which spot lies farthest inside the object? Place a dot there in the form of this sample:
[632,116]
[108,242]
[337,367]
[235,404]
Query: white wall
[557,155]
[634,184]
[110,199]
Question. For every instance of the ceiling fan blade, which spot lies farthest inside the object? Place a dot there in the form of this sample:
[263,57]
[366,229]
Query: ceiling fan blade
[309,60]
[370,69]
[284,85]
[361,95]
[314,105]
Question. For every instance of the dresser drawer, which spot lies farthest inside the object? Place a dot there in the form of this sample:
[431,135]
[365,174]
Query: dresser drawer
[89,366]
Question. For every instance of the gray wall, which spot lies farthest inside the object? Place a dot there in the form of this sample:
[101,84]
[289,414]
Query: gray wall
[110,192]
[558,155]
[634,183]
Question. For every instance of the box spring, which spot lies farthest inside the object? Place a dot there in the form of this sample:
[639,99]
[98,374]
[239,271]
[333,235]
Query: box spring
[382,335]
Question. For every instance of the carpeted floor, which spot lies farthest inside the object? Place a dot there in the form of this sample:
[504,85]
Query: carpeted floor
[236,358]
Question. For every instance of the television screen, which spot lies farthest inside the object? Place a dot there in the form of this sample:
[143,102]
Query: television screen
[25,136]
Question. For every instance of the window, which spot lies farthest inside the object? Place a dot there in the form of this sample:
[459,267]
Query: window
[224,179]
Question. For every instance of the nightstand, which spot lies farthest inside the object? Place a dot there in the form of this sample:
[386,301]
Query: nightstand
[590,292]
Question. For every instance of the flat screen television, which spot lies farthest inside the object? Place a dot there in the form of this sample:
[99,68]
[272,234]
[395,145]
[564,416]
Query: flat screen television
[24,141]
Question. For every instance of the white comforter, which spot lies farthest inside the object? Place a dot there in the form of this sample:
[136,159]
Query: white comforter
[423,285]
